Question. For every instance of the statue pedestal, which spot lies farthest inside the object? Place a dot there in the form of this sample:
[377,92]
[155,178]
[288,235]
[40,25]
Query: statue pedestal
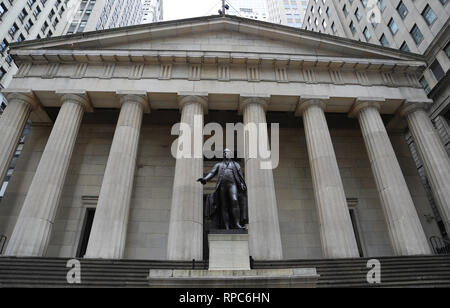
[229,267]
[228,250]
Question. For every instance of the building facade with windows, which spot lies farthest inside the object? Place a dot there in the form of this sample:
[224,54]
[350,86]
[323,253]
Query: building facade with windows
[253,9]
[152,11]
[92,15]
[99,150]
[421,27]
[409,25]
[287,12]
[27,19]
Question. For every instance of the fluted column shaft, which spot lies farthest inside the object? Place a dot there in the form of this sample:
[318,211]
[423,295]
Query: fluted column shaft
[108,233]
[32,231]
[405,230]
[185,239]
[336,231]
[263,228]
[434,158]
[12,122]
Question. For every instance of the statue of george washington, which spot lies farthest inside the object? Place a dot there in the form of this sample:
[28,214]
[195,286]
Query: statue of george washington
[230,194]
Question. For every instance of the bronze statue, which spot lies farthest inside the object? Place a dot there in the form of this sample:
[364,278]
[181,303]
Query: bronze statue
[230,194]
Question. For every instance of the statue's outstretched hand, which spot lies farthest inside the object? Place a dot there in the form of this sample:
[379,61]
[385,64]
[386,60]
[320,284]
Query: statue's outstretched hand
[201,180]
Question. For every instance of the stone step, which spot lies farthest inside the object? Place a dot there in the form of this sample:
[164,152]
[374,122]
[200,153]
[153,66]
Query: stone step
[427,271]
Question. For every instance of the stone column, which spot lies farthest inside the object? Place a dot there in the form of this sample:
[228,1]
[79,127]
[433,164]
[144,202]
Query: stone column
[12,122]
[336,231]
[433,155]
[185,239]
[108,233]
[263,228]
[405,231]
[33,227]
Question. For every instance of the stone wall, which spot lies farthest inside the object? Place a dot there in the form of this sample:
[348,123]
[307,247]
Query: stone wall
[150,204]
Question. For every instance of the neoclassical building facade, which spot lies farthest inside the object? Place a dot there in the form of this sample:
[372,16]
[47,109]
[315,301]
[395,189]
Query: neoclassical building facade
[96,177]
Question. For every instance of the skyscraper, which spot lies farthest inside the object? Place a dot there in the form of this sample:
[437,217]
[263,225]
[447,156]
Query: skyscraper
[253,9]
[287,12]
[27,19]
[152,11]
[95,15]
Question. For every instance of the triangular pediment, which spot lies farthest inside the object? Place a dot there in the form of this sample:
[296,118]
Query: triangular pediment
[232,35]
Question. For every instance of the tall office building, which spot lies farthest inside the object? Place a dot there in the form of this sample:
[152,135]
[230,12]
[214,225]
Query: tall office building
[407,25]
[95,15]
[253,9]
[27,19]
[421,27]
[152,11]
[287,12]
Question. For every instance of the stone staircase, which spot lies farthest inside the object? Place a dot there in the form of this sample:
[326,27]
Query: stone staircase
[422,271]
[51,272]
[414,271]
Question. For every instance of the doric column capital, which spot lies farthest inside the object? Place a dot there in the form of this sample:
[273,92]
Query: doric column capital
[75,96]
[185,98]
[245,100]
[312,100]
[362,103]
[23,96]
[410,106]
[139,97]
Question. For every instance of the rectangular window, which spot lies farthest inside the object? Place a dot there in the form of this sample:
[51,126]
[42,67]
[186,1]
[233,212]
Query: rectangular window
[37,11]
[425,85]
[437,70]
[358,14]
[3,9]
[3,45]
[2,72]
[352,27]
[392,26]
[364,3]
[381,5]
[383,41]
[443,2]
[344,9]
[447,50]
[20,38]
[44,27]
[367,34]
[404,47]
[23,14]
[429,15]
[28,25]
[333,27]
[402,10]
[416,34]
[13,29]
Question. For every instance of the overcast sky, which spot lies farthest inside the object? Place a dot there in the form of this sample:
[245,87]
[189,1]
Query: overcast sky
[178,9]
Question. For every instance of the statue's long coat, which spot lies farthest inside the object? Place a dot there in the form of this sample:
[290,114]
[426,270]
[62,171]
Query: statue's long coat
[213,200]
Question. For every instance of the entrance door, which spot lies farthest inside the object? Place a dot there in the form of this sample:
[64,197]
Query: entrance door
[354,219]
[85,232]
